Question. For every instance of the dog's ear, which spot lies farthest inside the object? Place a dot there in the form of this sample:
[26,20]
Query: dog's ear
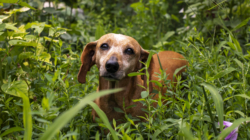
[88,60]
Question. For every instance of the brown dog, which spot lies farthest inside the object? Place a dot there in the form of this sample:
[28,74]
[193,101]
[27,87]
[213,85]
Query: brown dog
[116,56]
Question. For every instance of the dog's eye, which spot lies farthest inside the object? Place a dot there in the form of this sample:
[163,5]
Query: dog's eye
[129,51]
[104,46]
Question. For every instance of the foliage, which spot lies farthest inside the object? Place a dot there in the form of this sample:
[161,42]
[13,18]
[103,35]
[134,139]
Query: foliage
[41,42]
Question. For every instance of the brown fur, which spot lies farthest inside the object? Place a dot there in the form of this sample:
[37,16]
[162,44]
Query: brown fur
[128,63]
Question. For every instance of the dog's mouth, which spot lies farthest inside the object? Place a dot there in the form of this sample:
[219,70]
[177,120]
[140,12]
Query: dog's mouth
[110,77]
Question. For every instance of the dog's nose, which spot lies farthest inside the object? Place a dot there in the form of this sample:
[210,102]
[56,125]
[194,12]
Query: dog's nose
[112,66]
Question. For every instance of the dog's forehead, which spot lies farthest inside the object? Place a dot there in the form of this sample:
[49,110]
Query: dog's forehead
[118,39]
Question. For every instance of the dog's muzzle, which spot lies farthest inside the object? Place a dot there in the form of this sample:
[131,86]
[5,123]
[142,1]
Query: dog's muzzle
[112,65]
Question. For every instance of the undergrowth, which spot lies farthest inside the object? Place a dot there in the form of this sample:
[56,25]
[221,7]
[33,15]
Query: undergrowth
[40,47]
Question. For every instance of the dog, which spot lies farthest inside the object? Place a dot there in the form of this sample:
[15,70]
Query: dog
[116,56]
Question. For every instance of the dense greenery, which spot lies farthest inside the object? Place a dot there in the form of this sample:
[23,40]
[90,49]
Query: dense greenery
[40,45]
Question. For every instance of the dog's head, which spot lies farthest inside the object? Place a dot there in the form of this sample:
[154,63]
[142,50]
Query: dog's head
[115,55]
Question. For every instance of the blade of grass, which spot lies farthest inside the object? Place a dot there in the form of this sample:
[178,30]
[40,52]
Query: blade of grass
[27,117]
[159,61]
[217,101]
[11,130]
[210,113]
[228,130]
[66,116]
[104,118]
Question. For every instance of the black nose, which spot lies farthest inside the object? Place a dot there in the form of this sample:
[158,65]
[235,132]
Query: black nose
[112,66]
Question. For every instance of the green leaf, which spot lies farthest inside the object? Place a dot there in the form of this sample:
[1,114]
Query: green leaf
[144,94]
[243,23]
[135,74]
[11,130]
[149,59]
[22,43]
[217,101]
[243,96]
[12,88]
[239,63]
[27,118]
[178,70]
[175,18]
[45,57]
[118,110]
[104,118]
[157,83]
[222,73]
[159,62]
[8,1]
[97,137]
[66,116]
[168,35]
[235,45]
[99,32]
[11,27]
[162,128]
[26,55]
[45,104]
[228,130]
[187,134]
[2,26]
[239,112]
[138,6]
[163,40]
[217,5]
[24,4]
[37,26]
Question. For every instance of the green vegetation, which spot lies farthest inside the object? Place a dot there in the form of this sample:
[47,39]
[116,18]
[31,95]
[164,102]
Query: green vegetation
[40,47]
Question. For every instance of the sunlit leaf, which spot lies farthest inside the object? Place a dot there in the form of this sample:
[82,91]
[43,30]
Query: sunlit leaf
[135,74]
[12,88]
[9,1]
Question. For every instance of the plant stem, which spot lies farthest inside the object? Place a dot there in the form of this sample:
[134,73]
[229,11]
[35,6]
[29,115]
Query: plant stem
[210,113]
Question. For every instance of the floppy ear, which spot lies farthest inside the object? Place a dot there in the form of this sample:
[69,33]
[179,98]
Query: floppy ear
[88,60]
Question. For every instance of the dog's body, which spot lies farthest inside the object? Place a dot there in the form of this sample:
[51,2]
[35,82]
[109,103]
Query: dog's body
[116,56]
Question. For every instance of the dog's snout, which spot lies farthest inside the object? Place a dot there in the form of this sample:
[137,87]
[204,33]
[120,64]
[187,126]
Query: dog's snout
[112,65]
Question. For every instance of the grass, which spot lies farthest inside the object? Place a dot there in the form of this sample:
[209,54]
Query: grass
[40,61]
